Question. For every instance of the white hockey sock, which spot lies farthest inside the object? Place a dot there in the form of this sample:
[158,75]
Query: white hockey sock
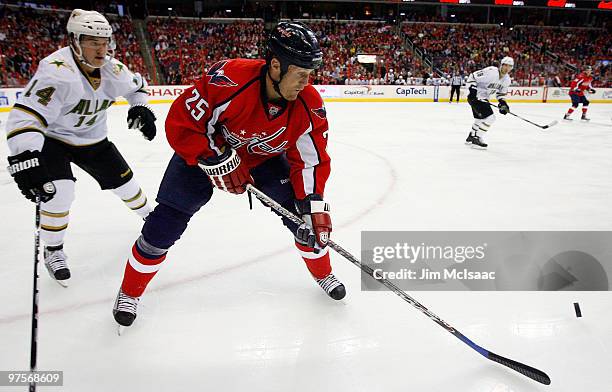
[54,214]
[133,197]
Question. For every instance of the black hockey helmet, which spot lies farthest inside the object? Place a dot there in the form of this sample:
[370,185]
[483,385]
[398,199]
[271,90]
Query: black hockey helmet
[294,43]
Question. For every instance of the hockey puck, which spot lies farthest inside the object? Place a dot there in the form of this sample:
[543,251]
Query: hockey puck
[577,309]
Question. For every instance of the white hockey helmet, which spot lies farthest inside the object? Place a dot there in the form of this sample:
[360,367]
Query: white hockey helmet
[90,23]
[507,60]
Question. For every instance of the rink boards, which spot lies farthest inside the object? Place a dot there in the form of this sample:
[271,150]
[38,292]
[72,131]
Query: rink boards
[372,93]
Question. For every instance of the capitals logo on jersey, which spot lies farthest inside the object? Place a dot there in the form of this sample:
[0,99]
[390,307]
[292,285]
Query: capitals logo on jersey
[259,143]
[218,77]
[320,112]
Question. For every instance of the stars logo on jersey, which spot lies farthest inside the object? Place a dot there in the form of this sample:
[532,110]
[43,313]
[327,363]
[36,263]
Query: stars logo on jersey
[117,68]
[320,112]
[218,77]
[60,63]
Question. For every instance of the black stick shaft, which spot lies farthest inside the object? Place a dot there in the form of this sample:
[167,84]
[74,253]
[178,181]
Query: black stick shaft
[34,335]
[522,118]
[526,370]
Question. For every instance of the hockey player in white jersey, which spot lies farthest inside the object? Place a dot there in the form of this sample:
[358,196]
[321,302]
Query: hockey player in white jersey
[482,84]
[61,119]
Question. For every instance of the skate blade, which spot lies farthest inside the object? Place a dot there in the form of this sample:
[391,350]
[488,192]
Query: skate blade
[63,283]
[120,329]
[477,147]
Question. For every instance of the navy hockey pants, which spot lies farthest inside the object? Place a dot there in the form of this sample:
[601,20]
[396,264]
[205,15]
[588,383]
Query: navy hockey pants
[579,99]
[185,189]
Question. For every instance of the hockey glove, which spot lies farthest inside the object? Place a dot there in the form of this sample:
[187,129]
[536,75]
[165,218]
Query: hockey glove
[472,98]
[592,91]
[317,226]
[503,107]
[31,175]
[142,118]
[227,172]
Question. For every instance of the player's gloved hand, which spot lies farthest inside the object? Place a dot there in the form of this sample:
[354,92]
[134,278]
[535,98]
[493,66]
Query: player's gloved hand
[31,175]
[227,172]
[141,117]
[317,226]
[592,91]
[503,107]
[472,97]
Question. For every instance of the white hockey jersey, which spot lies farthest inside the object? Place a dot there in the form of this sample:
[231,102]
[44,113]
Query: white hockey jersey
[63,102]
[487,82]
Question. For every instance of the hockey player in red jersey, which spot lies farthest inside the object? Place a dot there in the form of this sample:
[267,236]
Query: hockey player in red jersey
[578,86]
[245,121]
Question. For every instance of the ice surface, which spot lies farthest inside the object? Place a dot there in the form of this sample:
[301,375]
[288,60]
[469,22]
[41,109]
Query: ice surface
[234,308]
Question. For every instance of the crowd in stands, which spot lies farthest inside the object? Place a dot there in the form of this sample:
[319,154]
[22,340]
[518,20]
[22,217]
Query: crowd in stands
[541,55]
[343,41]
[465,48]
[28,36]
[184,49]
[128,49]
[575,47]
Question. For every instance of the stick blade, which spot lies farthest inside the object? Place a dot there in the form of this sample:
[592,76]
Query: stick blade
[525,370]
[552,124]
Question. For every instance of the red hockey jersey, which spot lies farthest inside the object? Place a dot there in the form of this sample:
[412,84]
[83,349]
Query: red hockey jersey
[580,84]
[229,106]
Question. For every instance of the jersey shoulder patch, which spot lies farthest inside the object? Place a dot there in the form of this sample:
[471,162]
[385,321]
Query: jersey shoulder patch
[314,104]
[216,75]
[233,73]
[117,67]
[58,64]
[320,112]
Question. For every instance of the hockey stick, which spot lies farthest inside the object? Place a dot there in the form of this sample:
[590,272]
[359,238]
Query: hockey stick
[34,336]
[552,124]
[525,370]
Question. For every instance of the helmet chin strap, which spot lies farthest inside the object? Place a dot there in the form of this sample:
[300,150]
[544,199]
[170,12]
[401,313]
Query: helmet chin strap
[275,84]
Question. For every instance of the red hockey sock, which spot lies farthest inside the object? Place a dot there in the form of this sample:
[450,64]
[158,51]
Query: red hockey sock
[584,110]
[317,263]
[570,111]
[139,270]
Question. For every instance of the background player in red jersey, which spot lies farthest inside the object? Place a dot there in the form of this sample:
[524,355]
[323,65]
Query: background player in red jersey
[577,88]
[245,121]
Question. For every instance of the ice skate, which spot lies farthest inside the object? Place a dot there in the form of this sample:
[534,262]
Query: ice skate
[475,141]
[567,117]
[479,143]
[332,286]
[584,118]
[469,139]
[124,310]
[55,261]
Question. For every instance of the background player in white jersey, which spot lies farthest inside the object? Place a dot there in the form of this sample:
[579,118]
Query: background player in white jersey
[481,85]
[61,119]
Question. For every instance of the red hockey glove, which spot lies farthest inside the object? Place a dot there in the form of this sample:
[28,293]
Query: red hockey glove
[317,222]
[227,172]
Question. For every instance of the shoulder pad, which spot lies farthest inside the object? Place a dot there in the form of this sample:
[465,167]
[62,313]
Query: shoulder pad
[233,73]
[56,64]
[314,102]
[116,67]
[311,96]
